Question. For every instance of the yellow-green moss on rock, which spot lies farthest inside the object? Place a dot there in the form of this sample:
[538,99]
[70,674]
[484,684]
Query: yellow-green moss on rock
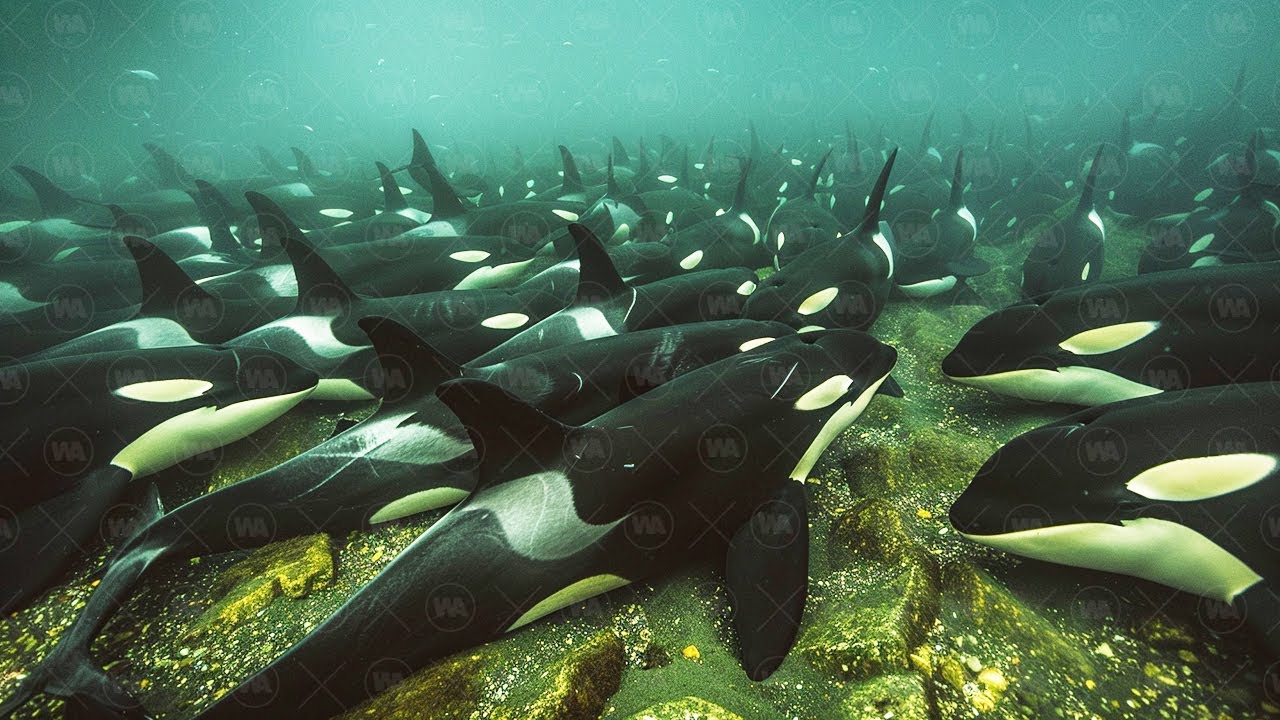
[582,683]
[901,696]
[447,690]
[292,568]
[686,708]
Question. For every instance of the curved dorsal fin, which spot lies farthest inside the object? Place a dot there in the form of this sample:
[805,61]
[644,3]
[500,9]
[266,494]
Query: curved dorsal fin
[740,193]
[817,174]
[392,199]
[598,277]
[306,168]
[320,290]
[1086,195]
[611,183]
[957,182]
[410,367]
[511,437]
[444,201]
[572,182]
[274,167]
[215,213]
[53,200]
[871,220]
[165,287]
[620,152]
[925,134]
[172,173]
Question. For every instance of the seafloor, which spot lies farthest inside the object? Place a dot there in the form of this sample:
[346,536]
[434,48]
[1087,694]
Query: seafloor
[906,620]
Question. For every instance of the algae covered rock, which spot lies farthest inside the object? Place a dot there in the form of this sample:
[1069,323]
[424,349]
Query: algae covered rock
[901,696]
[868,615]
[686,708]
[292,567]
[582,684]
[447,690]
[981,600]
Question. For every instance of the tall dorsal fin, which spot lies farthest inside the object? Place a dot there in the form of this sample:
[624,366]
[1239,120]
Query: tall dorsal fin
[511,437]
[598,278]
[1250,170]
[740,193]
[444,201]
[644,160]
[620,152]
[1126,132]
[817,174]
[857,156]
[754,148]
[53,200]
[957,182]
[1086,195]
[410,367]
[274,167]
[392,199]
[611,189]
[924,135]
[317,282]
[165,287]
[171,172]
[120,218]
[871,219]
[306,168]
[215,213]
[572,182]
[709,155]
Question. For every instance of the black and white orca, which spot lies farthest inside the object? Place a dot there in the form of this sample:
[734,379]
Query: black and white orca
[841,283]
[782,403]
[411,455]
[731,239]
[1129,338]
[1071,251]
[605,305]
[939,256]
[1178,489]
[89,425]
[799,223]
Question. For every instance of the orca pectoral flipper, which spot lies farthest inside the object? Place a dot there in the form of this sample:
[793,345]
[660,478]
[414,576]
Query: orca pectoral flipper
[52,533]
[767,573]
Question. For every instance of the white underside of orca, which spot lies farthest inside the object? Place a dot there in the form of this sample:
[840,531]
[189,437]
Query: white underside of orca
[1072,384]
[1158,550]
[929,288]
[831,429]
[200,430]
[493,276]
[13,301]
[570,595]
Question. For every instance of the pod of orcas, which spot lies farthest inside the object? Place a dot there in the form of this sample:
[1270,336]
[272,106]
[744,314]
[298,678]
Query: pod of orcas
[526,328]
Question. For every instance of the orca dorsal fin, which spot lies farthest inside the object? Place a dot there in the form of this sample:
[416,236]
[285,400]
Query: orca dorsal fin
[274,167]
[320,289]
[644,160]
[215,213]
[1126,132]
[926,133]
[740,193]
[392,199]
[53,200]
[598,277]
[444,201]
[754,151]
[812,189]
[709,155]
[171,172]
[410,367]
[511,437]
[572,182]
[421,151]
[871,219]
[273,222]
[165,287]
[620,152]
[611,189]
[957,182]
[306,168]
[1086,195]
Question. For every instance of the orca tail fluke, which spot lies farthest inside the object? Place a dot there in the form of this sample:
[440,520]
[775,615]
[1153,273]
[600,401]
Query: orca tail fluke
[89,692]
